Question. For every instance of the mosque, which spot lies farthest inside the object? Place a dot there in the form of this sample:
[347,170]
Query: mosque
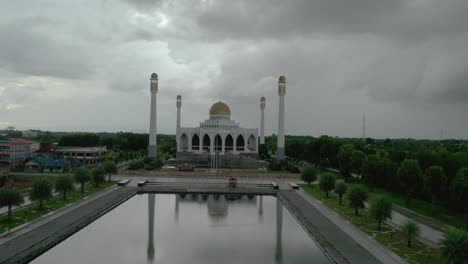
[218,142]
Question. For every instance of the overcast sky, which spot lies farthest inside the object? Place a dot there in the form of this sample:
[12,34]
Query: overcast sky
[84,65]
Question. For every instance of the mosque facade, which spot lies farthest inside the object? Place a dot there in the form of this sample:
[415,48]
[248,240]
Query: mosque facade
[218,134]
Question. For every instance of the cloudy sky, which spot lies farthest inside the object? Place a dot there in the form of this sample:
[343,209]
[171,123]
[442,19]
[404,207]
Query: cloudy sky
[84,65]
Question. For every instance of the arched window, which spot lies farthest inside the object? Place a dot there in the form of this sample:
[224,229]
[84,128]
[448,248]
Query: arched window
[195,142]
[206,143]
[183,142]
[229,144]
[240,143]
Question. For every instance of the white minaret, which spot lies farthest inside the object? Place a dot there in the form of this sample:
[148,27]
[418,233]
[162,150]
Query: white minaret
[152,146]
[262,120]
[179,105]
[281,93]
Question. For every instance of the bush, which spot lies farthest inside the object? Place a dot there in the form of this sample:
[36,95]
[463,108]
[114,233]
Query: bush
[136,165]
[275,165]
[292,168]
[154,165]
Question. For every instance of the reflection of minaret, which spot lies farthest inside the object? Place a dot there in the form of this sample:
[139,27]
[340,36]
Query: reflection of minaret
[281,93]
[176,213]
[151,201]
[152,146]
[260,204]
[279,231]
[262,120]
[178,105]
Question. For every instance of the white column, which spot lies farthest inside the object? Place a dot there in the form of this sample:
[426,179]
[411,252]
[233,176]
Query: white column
[281,93]
[190,143]
[152,146]
[223,145]
[246,143]
[262,120]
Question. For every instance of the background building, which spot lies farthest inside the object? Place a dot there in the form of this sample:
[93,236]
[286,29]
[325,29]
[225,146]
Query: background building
[85,155]
[14,151]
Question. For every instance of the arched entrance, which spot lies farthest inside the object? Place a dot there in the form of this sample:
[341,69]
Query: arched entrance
[206,143]
[183,142]
[251,143]
[218,143]
[240,143]
[195,142]
[229,144]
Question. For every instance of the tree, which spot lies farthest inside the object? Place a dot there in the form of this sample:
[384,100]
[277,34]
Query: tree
[409,175]
[41,190]
[454,246]
[381,209]
[340,190]
[459,188]
[344,159]
[64,184]
[371,170]
[411,231]
[110,167]
[309,174]
[357,197]
[10,197]
[434,180]
[82,175]
[327,182]
[358,159]
[98,176]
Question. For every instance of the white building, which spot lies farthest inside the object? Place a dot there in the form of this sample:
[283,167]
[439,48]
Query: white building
[217,134]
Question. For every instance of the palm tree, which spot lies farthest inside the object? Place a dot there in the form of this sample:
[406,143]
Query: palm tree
[82,175]
[41,190]
[454,246]
[340,189]
[357,197]
[98,175]
[411,231]
[10,197]
[381,209]
[327,182]
[309,174]
[109,167]
[64,184]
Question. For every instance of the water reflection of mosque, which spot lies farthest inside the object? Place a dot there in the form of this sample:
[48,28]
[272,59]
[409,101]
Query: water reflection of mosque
[218,205]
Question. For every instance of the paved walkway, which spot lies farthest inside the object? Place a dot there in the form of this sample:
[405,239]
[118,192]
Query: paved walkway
[376,249]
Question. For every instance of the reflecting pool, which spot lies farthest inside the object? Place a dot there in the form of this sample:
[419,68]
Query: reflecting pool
[168,228]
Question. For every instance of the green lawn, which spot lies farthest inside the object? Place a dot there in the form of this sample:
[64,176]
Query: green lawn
[32,212]
[389,237]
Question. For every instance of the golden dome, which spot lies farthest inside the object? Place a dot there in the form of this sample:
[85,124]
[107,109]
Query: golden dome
[220,108]
[154,76]
[282,78]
